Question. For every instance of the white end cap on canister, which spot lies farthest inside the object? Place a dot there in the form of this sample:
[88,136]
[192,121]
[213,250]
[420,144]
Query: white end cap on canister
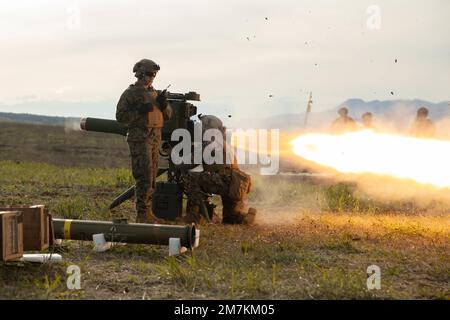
[100,244]
[197,238]
[174,246]
[41,257]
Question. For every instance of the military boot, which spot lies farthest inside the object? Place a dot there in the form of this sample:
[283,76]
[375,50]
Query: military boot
[233,213]
[250,216]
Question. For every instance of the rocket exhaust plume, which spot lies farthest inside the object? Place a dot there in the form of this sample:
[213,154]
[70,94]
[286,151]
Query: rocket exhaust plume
[72,124]
[425,161]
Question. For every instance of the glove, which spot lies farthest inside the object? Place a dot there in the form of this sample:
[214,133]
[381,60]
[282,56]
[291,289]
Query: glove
[145,108]
[162,100]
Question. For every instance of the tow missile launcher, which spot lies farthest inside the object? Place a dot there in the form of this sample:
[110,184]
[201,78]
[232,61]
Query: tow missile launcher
[168,196]
[182,112]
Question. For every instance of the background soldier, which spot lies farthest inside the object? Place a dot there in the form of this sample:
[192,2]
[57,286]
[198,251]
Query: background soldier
[422,127]
[224,179]
[367,121]
[343,123]
[143,110]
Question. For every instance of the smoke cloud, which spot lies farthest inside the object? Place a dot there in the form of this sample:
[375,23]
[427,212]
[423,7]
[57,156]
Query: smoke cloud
[72,124]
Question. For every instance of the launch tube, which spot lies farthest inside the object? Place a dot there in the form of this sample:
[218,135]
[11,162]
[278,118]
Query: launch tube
[103,125]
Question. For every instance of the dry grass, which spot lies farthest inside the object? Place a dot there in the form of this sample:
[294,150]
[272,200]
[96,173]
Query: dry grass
[313,240]
[298,251]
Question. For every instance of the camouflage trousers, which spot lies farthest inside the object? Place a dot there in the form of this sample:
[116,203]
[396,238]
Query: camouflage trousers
[198,186]
[144,166]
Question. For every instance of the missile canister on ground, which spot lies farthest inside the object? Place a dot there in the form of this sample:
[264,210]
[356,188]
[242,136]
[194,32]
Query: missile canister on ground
[124,232]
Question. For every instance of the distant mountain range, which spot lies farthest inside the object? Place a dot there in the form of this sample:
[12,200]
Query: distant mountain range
[397,113]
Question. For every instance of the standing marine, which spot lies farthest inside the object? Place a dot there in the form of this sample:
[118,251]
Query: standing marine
[343,123]
[422,127]
[367,121]
[143,110]
[224,179]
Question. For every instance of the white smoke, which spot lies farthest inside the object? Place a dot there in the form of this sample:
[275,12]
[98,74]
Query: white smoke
[72,124]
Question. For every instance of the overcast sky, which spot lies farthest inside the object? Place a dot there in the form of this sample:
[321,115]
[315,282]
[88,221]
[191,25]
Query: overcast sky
[74,58]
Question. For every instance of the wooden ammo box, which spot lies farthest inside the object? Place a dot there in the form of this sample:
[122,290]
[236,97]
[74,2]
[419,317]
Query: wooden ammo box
[36,233]
[11,235]
[51,229]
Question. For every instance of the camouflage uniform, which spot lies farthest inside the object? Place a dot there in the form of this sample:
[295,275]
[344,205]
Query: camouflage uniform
[144,139]
[344,123]
[422,128]
[226,180]
[200,184]
[367,121]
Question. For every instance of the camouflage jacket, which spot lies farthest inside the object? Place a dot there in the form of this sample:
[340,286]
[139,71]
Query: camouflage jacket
[422,128]
[139,124]
[229,160]
[343,124]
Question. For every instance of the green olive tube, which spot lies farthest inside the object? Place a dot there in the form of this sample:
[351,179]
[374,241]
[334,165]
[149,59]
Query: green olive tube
[103,125]
[142,233]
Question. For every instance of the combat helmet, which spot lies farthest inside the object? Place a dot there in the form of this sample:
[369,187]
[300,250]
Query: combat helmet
[367,115]
[422,112]
[145,66]
[343,111]
[211,122]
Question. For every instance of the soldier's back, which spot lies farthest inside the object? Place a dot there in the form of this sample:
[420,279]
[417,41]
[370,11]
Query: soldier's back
[343,124]
[422,128]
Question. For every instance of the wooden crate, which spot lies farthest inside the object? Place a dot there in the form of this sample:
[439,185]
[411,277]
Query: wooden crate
[51,230]
[11,235]
[36,231]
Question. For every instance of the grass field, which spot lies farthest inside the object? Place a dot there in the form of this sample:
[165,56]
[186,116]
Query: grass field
[57,145]
[313,239]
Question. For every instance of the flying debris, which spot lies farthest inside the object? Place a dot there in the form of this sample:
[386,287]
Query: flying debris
[395,60]
[266,18]
[270,95]
[392,92]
